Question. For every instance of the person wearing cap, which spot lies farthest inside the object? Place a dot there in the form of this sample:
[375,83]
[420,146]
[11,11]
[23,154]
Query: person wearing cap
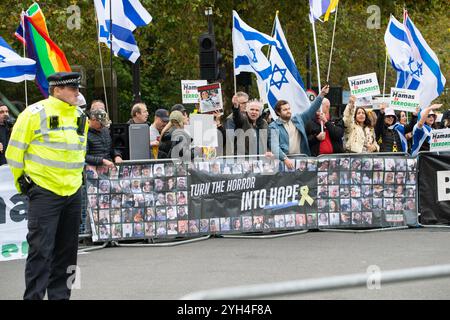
[160,121]
[423,128]
[389,135]
[99,149]
[179,138]
[166,133]
[46,155]
[182,109]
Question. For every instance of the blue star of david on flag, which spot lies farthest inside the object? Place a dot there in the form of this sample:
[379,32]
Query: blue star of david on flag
[283,79]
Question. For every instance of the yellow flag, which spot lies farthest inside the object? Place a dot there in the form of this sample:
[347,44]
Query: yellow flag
[331,7]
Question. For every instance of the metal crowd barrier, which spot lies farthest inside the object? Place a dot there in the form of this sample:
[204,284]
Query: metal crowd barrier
[362,155]
[368,280]
[85,228]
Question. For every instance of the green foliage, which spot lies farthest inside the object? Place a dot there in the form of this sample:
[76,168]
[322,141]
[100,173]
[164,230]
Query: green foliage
[169,45]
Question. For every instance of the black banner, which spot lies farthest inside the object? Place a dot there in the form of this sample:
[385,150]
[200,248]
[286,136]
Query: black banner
[253,196]
[353,191]
[164,200]
[434,188]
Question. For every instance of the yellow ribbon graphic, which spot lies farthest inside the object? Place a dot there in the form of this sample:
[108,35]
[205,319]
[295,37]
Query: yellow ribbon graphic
[305,196]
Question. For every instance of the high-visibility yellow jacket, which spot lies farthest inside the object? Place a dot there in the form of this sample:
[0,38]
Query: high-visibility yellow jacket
[46,145]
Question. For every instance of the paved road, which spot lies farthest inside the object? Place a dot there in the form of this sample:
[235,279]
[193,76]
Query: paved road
[169,273]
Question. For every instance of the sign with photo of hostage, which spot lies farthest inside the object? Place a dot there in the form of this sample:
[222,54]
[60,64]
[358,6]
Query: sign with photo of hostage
[210,98]
[219,196]
[146,200]
[253,201]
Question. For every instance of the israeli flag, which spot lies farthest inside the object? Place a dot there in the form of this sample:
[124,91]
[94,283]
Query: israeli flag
[13,67]
[247,54]
[417,65]
[285,82]
[127,15]
[420,135]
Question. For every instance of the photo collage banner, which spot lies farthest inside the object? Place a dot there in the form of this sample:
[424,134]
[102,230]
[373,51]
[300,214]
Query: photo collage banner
[169,200]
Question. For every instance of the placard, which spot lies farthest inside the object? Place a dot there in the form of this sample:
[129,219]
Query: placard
[189,91]
[404,100]
[365,85]
[440,140]
[210,98]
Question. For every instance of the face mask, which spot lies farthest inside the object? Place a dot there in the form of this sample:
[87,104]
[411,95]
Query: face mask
[81,101]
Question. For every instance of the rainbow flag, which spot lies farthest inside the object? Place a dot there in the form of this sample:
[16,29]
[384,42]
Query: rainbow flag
[48,56]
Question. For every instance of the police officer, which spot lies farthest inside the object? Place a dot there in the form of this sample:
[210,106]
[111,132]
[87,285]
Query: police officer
[46,155]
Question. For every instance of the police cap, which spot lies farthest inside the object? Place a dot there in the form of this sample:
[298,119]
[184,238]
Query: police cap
[65,79]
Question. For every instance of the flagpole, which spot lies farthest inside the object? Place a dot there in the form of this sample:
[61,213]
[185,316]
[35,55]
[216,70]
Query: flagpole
[385,71]
[101,65]
[332,43]
[272,33]
[24,55]
[111,61]
[234,62]
[318,68]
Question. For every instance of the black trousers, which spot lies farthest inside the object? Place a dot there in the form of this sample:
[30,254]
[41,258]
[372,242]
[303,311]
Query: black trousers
[53,226]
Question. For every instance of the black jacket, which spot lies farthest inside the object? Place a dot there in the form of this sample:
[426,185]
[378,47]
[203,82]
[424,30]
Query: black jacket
[5,133]
[242,121]
[99,147]
[335,129]
[386,137]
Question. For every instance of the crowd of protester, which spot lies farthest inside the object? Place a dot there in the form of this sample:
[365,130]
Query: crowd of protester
[250,130]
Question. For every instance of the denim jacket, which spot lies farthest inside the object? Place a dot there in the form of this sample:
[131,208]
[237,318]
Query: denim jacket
[281,149]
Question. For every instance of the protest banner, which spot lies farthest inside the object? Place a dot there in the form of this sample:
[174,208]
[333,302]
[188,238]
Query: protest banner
[434,188]
[189,92]
[404,100]
[13,219]
[210,98]
[161,200]
[365,85]
[440,140]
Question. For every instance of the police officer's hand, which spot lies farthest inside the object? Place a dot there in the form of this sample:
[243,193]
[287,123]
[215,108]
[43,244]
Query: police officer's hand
[108,163]
[1,147]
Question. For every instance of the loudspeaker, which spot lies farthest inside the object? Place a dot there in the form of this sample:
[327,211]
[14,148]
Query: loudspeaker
[208,57]
[120,139]
[139,141]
